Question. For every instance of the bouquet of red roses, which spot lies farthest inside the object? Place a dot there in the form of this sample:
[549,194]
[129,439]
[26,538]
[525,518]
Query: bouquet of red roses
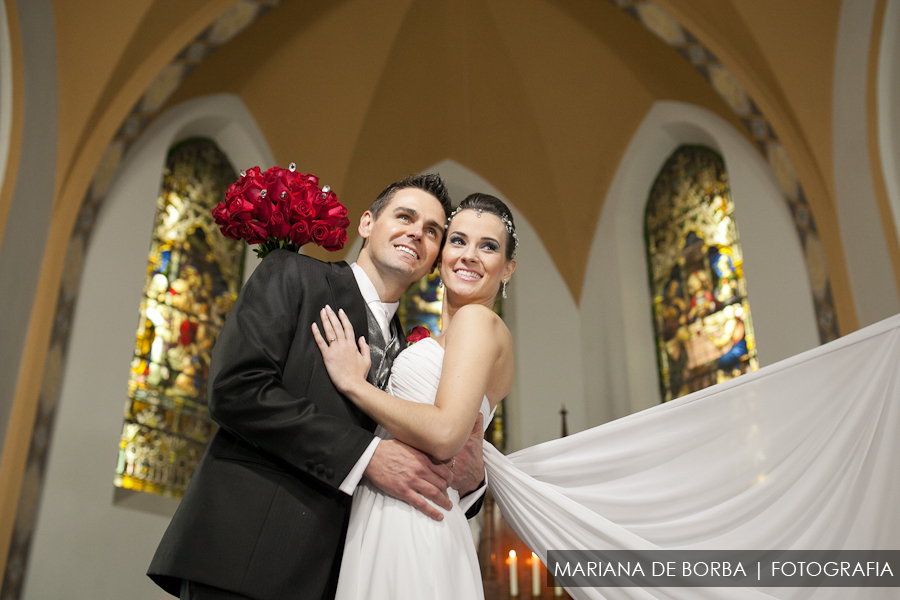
[282,208]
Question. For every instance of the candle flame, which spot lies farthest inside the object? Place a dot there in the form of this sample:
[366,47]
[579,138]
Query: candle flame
[512,553]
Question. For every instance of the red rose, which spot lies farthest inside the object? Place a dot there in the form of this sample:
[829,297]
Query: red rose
[321,203]
[221,215]
[303,189]
[251,185]
[282,204]
[298,194]
[302,210]
[418,333]
[253,232]
[319,232]
[250,188]
[278,180]
[232,230]
[278,226]
[336,216]
[335,240]
[300,233]
[300,185]
[229,223]
[239,208]
[341,223]
[261,203]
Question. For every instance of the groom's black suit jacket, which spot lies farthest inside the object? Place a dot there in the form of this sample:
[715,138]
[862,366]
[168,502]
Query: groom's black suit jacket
[263,516]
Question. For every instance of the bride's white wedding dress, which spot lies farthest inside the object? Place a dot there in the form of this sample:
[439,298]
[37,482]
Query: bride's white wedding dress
[394,552]
[801,454]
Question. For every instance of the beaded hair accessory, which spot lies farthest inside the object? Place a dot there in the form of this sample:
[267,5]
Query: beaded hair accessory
[506,221]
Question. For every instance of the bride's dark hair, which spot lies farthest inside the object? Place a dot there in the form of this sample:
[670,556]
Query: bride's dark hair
[495,206]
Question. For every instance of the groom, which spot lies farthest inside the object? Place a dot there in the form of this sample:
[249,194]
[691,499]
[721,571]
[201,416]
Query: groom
[266,512]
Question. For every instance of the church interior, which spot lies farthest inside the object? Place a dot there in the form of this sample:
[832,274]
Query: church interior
[577,113]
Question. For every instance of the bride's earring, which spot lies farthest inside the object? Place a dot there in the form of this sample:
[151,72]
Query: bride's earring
[440,283]
[504,288]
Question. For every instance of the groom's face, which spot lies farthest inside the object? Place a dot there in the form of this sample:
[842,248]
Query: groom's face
[406,237]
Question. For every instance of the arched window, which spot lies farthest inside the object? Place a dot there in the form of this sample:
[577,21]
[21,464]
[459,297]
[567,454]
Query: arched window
[193,277]
[704,334]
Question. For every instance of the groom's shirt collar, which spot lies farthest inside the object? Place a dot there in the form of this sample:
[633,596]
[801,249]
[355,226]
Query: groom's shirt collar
[373,300]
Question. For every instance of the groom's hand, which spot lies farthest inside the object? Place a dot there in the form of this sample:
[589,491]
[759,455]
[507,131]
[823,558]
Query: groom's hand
[468,465]
[409,475]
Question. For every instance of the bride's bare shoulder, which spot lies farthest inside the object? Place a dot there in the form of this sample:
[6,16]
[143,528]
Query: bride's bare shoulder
[476,320]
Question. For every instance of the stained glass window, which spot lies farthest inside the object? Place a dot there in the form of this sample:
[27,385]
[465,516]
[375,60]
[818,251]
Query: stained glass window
[421,305]
[704,334]
[193,277]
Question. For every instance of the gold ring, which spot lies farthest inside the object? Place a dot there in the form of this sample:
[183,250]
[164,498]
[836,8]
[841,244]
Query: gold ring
[332,340]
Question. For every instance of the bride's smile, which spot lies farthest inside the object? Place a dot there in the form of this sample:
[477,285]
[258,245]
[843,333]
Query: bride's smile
[467,275]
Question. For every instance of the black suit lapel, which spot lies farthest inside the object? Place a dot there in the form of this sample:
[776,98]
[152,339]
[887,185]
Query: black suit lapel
[345,294]
[400,344]
[401,335]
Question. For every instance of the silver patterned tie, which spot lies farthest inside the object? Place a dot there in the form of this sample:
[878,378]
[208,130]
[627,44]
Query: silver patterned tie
[382,354]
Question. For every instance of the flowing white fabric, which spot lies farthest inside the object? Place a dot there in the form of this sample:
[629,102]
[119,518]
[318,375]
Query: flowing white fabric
[394,552]
[800,455]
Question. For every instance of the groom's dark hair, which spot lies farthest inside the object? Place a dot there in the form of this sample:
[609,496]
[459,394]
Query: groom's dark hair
[430,183]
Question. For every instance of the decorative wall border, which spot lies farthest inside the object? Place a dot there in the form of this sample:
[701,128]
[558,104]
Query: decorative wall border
[231,22]
[669,30]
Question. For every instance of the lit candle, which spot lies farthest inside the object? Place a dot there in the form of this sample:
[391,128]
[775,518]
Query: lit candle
[513,574]
[535,575]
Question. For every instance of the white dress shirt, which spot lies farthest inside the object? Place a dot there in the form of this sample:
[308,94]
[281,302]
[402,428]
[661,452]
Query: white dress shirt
[383,311]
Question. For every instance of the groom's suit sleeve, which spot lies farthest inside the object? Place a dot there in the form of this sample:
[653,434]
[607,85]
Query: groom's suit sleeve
[348,486]
[471,503]
[247,394]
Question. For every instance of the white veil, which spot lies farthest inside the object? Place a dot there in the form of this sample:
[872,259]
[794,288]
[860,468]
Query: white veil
[801,455]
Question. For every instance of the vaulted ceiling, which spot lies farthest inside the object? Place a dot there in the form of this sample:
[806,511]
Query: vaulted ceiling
[539,97]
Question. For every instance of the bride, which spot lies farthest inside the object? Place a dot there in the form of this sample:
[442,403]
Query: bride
[800,454]
[439,387]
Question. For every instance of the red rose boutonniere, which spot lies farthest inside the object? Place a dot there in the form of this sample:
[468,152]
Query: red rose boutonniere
[418,333]
[282,208]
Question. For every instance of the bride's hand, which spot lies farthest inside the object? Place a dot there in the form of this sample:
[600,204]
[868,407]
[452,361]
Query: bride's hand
[346,365]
